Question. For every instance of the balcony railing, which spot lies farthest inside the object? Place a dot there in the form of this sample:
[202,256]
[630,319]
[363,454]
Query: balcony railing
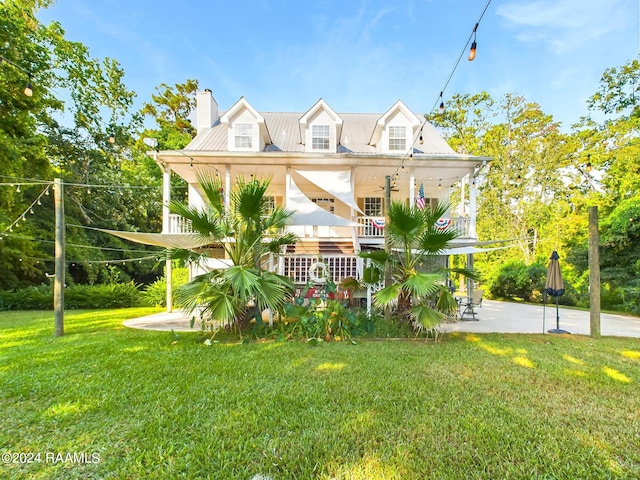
[369,227]
[373,227]
[178,224]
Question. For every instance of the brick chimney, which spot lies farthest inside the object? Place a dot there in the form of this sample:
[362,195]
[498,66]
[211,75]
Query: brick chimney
[206,110]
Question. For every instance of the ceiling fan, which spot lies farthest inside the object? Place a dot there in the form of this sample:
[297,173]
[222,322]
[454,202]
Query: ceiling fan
[394,188]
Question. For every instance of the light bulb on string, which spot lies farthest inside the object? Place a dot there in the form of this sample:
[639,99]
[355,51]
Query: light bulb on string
[39,202]
[474,46]
[441,107]
[421,139]
[440,184]
[112,138]
[28,90]
[31,211]
[18,189]
[47,191]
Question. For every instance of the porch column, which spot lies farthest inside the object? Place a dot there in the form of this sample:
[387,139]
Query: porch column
[412,188]
[461,214]
[472,207]
[287,187]
[227,185]
[166,228]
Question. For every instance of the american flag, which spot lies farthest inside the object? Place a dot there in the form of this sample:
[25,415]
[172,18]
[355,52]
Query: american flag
[420,198]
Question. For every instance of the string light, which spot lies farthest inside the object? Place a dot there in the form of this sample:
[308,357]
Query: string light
[474,45]
[28,89]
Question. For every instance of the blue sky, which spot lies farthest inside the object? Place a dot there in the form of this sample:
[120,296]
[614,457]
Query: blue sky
[360,55]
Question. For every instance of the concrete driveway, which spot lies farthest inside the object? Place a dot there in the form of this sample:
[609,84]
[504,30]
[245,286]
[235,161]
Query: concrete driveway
[493,317]
[507,317]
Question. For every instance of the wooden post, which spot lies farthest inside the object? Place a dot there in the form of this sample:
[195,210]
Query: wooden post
[387,248]
[166,219]
[59,257]
[594,273]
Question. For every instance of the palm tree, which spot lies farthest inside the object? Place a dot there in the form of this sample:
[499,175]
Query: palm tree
[418,290]
[248,231]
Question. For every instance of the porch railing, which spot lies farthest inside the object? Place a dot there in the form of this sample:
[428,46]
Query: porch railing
[178,224]
[373,227]
[369,227]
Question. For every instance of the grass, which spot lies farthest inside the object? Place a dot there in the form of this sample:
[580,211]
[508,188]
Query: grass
[161,405]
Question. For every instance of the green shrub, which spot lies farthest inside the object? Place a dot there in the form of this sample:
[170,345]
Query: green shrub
[120,295]
[156,293]
[515,280]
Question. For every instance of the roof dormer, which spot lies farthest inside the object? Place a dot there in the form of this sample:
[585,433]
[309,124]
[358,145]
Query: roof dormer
[320,128]
[395,130]
[246,129]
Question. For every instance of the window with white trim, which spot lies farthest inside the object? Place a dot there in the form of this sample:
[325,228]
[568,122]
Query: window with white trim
[397,138]
[243,135]
[320,137]
[270,203]
[373,206]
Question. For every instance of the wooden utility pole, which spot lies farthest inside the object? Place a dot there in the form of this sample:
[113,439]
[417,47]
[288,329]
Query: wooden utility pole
[59,254]
[594,273]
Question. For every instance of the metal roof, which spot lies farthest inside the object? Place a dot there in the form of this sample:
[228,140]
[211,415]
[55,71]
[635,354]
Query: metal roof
[284,130]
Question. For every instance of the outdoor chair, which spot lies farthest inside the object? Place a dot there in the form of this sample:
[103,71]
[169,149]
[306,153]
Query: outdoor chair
[469,304]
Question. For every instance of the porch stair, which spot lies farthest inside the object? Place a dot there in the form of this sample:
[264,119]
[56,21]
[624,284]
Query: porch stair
[321,247]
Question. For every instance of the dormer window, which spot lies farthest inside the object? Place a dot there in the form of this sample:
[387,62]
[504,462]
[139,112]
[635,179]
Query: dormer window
[243,135]
[320,137]
[397,138]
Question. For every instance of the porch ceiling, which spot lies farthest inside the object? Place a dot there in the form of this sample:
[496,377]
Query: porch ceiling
[369,171]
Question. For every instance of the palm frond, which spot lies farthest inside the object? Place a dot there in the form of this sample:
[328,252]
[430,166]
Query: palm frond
[422,284]
[387,296]
[426,316]
[243,280]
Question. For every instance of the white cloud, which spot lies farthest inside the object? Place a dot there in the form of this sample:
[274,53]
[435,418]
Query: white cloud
[564,25]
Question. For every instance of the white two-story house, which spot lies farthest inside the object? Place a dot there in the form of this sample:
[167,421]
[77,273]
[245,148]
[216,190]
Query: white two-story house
[327,167]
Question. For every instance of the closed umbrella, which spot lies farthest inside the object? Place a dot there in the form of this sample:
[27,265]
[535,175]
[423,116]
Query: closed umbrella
[554,287]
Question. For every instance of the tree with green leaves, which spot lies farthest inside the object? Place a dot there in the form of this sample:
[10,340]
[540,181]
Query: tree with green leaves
[248,232]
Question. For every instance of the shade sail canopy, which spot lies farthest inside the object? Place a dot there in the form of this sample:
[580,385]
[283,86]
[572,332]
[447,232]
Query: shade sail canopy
[309,213]
[165,240]
[335,182]
[555,284]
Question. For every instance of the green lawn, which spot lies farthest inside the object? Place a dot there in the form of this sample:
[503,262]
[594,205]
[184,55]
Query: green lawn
[140,404]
